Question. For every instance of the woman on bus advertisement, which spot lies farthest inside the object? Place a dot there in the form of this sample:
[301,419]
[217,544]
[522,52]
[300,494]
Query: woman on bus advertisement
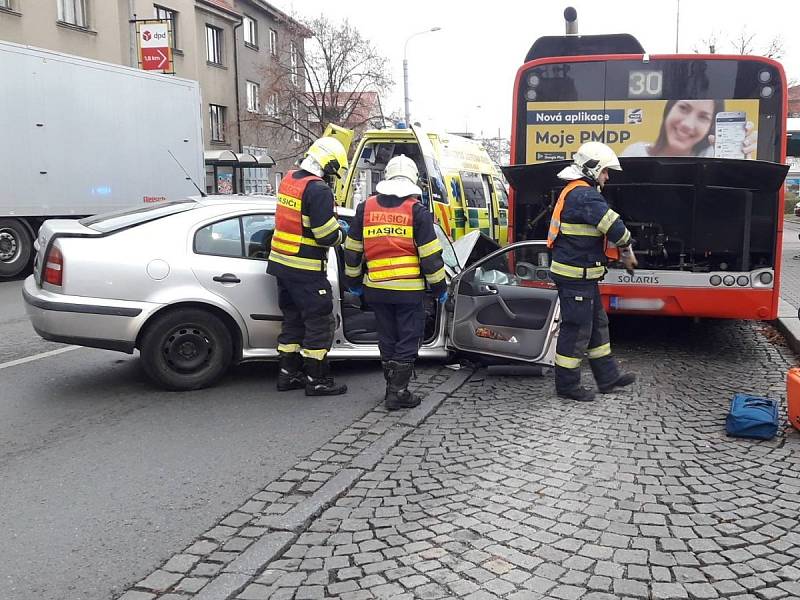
[699,128]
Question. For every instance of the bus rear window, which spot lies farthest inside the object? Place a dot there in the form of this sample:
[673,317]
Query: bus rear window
[122,219]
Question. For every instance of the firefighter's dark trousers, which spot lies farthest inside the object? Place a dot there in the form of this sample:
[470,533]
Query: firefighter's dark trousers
[583,332]
[400,329]
[308,323]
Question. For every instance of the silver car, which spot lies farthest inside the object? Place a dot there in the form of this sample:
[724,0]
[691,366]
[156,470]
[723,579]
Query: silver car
[185,283]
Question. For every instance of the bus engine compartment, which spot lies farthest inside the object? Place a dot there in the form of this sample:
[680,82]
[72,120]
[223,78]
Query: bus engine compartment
[684,214]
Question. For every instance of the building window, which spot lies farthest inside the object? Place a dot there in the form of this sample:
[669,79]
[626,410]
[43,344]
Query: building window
[273,42]
[171,17]
[293,62]
[250,32]
[72,12]
[5,4]
[252,96]
[295,120]
[214,45]
[217,123]
[272,105]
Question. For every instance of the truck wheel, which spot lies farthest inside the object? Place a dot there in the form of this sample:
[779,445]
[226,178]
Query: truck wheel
[16,247]
[186,349]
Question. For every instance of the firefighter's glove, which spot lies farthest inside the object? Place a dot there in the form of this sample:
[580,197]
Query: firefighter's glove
[356,291]
[345,226]
[628,259]
[443,297]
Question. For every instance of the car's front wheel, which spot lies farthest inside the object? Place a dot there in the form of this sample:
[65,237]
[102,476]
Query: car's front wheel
[186,349]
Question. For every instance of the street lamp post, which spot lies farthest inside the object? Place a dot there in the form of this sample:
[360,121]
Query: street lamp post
[405,71]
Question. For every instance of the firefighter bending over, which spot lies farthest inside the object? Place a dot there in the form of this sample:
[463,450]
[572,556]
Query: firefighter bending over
[584,233]
[305,227]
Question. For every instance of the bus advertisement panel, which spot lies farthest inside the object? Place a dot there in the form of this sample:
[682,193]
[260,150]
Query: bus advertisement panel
[701,140]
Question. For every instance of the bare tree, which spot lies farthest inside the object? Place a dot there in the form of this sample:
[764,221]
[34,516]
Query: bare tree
[338,79]
[743,42]
[498,148]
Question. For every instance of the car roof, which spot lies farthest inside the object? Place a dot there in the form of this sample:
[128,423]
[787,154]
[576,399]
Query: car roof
[252,201]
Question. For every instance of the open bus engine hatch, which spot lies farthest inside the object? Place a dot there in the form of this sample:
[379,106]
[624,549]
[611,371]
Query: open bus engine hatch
[685,214]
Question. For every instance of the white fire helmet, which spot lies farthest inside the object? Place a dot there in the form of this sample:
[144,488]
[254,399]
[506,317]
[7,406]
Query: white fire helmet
[589,161]
[401,176]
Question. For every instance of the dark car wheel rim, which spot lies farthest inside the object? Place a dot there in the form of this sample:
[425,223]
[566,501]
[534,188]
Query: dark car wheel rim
[188,349]
[8,245]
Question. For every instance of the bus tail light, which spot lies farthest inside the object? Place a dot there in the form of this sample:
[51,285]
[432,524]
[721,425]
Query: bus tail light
[765,278]
[54,267]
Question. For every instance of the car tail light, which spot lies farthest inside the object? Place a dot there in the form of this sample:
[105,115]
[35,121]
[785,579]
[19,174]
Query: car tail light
[54,267]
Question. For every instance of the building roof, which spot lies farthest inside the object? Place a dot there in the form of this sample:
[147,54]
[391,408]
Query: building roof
[224,5]
[282,17]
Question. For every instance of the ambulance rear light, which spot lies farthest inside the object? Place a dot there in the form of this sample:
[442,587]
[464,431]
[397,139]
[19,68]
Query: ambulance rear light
[54,267]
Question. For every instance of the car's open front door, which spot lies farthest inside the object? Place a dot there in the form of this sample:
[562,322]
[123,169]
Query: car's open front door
[505,305]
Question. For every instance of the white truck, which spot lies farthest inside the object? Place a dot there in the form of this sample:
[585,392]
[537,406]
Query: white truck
[80,137]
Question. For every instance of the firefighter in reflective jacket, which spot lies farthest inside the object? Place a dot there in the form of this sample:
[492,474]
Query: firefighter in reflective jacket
[393,234]
[584,233]
[305,227]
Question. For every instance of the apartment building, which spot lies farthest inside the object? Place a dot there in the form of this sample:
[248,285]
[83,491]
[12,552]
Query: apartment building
[231,47]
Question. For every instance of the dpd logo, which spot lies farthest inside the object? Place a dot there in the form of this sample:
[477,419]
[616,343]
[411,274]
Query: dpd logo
[146,36]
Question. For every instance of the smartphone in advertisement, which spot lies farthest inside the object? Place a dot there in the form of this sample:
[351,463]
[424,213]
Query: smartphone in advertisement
[729,135]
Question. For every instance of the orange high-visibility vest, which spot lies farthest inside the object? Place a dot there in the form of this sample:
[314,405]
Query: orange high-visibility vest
[611,251]
[288,235]
[389,241]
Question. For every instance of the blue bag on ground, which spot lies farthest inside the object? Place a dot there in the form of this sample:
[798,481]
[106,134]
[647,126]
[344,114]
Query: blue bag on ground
[752,417]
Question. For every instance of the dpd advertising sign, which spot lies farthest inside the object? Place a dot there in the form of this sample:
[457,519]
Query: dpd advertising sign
[155,53]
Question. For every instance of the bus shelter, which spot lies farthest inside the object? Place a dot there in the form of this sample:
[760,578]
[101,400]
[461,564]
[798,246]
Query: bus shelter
[225,170]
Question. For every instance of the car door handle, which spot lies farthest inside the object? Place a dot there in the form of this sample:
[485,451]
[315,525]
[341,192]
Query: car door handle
[505,308]
[227,278]
[487,289]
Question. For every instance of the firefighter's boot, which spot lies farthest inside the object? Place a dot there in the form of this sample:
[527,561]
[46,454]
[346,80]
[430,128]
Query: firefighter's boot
[290,372]
[621,381]
[580,393]
[319,381]
[397,394]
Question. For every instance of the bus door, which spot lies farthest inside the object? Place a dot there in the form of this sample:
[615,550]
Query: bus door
[434,194]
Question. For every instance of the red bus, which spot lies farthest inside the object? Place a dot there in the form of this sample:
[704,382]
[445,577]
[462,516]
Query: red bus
[702,143]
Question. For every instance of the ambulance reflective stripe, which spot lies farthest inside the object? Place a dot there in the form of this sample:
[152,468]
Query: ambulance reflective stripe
[599,351]
[577,272]
[568,362]
[555,220]
[580,229]
[389,248]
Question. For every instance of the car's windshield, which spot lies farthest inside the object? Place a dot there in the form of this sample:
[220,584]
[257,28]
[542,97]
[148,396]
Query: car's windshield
[121,219]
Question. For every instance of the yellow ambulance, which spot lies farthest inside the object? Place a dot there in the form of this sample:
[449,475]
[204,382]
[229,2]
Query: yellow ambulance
[461,185]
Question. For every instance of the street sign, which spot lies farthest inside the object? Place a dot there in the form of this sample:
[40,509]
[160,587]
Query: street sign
[155,53]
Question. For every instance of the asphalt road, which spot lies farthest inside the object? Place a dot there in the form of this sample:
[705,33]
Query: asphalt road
[104,476]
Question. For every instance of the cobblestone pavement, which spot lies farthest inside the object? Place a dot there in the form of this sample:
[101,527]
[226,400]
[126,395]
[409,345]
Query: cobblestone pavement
[507,492]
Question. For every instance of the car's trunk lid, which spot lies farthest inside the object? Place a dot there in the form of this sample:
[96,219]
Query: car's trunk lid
[49,232]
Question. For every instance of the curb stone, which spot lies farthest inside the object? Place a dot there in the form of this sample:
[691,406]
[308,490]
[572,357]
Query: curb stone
[230,558]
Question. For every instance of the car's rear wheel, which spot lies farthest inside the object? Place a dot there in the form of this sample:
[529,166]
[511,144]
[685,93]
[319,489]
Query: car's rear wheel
[186,349]
[16,247]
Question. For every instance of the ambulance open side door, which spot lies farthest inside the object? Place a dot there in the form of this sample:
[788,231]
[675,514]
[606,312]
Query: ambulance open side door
[433,178]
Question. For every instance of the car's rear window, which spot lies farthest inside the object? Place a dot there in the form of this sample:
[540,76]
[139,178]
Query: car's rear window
[122,219]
